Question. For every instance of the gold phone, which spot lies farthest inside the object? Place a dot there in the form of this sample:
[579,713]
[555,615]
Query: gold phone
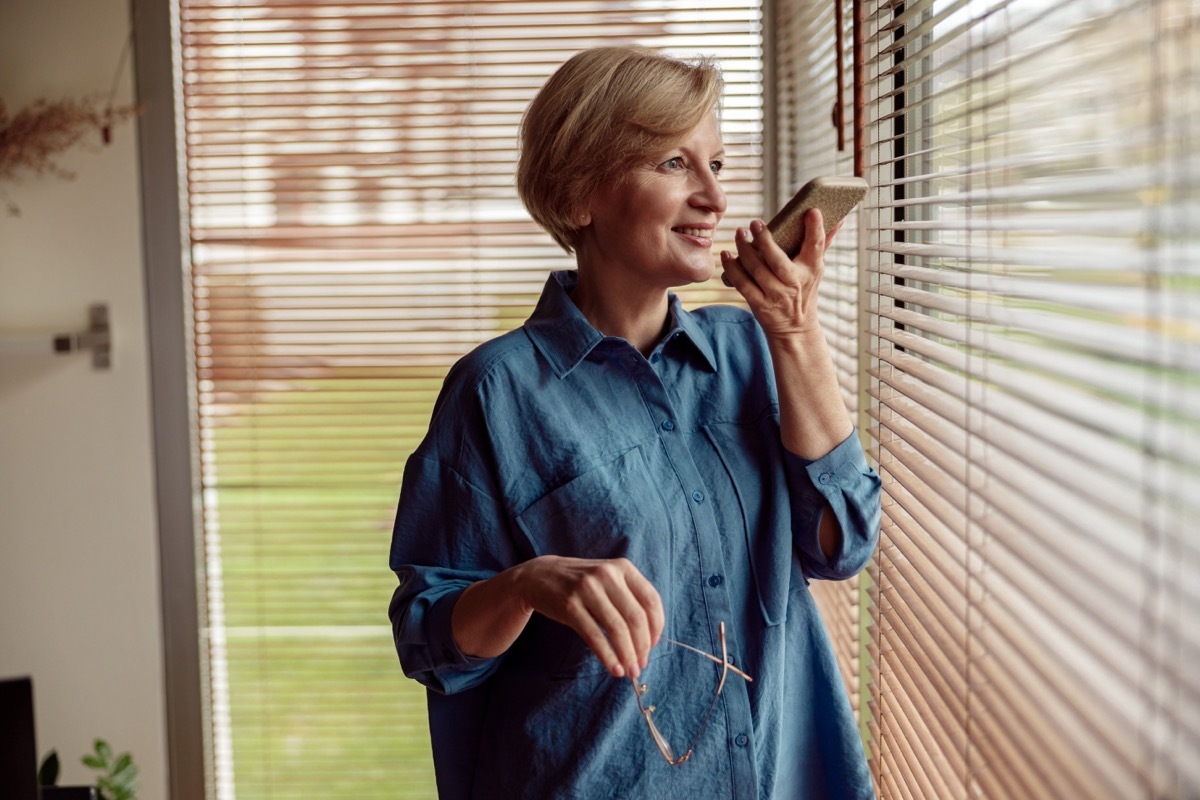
[835,196]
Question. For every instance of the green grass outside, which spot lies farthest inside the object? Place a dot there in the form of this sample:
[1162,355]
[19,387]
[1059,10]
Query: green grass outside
[319,706]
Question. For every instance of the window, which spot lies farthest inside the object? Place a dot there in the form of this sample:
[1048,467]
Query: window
[1030,302]
[354,229]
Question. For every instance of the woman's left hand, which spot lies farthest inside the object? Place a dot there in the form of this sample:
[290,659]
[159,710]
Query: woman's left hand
[782,294]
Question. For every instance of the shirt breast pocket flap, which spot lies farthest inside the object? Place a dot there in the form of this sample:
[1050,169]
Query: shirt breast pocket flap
[752,460]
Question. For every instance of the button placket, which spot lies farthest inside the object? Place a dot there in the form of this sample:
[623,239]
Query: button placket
[676,440]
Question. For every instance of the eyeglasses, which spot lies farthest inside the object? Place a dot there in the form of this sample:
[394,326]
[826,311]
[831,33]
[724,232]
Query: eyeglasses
[640,690]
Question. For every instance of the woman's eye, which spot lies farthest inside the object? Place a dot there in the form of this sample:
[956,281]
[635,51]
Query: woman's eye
[673,163]
[716,167]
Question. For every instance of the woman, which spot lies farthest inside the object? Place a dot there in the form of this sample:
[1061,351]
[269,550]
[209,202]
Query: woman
[620,476]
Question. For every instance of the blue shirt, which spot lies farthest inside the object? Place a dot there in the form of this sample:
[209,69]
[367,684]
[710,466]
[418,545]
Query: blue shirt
[554,439]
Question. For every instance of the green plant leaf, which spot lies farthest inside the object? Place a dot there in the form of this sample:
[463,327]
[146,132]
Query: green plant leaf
[118,776]
[123,762]
[48,771]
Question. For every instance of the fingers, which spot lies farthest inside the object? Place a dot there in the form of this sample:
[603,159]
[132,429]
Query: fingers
[781,293]
[613,609]
[747,270]
[759,269]
[833,233]
[735,276]
[814,244]
[609,603]
[592,621]
[814,236]
[634,615]
[761,264]
[651,603]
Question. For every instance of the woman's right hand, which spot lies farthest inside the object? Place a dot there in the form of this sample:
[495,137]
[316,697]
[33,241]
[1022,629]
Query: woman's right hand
[608,602]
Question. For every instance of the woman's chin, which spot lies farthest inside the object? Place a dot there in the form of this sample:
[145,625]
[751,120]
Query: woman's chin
[702,273]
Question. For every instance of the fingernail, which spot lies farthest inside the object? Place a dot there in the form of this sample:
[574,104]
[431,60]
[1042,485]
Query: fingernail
[635,672]
[618,671]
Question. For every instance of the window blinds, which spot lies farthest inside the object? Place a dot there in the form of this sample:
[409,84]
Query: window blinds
[354,229]
[1034,398]
[1033,321]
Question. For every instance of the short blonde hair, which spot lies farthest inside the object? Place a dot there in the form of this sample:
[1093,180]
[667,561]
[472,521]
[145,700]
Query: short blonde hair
[601,113]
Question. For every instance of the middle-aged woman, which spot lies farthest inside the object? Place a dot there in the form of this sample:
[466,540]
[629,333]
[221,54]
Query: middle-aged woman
[620,481]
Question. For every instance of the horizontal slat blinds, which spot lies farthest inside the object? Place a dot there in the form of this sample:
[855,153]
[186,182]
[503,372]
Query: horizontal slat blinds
[354,230]
[806,54]
[1035,411]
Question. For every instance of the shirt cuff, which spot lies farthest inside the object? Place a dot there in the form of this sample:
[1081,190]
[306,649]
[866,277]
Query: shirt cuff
[843,482]
[849,450]
[455,670]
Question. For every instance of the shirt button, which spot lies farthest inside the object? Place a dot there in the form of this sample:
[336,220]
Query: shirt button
[654,358]
[715,580]
[698,496]
[741,740]
[667,425]
[825,478]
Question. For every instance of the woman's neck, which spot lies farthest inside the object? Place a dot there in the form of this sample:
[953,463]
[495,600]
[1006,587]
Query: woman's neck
[635,314]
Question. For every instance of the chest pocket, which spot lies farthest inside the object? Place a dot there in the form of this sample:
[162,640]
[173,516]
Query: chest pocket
[614,509]
[750,455]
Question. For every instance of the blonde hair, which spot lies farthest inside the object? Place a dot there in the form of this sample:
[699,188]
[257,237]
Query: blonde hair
[601,113]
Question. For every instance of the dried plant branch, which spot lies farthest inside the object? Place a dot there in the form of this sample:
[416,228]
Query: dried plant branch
[30,139]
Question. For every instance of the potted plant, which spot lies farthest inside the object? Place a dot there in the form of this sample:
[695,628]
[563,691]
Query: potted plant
[116,778]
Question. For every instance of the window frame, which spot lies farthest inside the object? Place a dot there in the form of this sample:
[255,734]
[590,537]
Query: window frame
[173,417]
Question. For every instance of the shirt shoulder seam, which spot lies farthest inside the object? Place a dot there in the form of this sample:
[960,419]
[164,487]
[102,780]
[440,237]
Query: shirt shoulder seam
[482,362]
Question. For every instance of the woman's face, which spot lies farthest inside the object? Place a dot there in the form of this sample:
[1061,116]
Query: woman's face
[655,226]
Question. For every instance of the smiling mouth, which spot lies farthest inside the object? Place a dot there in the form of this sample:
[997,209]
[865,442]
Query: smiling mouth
[699,233]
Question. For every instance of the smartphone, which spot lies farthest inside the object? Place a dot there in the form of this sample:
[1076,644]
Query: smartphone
[835,196]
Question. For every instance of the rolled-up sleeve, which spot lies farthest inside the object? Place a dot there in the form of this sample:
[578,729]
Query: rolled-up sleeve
[841,481]
[442,519]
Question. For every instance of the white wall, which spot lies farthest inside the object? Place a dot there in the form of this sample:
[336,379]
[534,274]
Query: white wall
[79,590]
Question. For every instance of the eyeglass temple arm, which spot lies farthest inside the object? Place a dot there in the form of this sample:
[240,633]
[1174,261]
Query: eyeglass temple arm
[713,658]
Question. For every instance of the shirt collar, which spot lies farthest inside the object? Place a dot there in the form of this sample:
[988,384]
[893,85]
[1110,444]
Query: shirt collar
[563,335]
[686,323]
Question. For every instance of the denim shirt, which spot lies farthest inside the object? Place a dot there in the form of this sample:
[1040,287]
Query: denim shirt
[554,439]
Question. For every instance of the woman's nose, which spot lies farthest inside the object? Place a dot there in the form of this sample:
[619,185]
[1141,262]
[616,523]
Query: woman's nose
[710,194]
